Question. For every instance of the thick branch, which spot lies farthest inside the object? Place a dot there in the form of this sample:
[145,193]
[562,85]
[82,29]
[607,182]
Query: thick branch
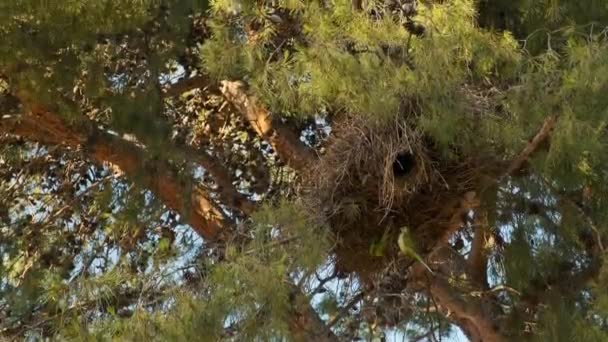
[286,144]
[473,315]
[45,127]
[221,176]
[465,311]
[478,259]
[305,325]
[449,288]
[468,202]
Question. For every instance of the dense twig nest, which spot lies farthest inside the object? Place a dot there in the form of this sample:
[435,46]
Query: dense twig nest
[374,179]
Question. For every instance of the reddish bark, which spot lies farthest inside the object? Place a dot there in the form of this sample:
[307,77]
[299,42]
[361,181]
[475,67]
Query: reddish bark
[45,127]
[541,136]
[282,139]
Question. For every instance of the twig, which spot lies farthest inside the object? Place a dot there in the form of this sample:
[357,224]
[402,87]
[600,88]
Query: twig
[272,244]
[356,299]
[73,201]
[504,288]
[419,338]
[324,281]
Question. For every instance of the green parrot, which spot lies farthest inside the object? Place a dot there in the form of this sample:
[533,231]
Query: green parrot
[407,247]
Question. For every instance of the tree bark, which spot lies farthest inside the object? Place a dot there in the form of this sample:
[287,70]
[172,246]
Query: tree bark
[285,142]
[43,126]
[478,259]
[305,325]
[452,288]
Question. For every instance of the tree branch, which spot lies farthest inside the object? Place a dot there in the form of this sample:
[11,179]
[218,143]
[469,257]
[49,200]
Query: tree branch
[465,311]
[221,176]
[541,136]
[478,258]
[475,315]
[345,310]
[188,84]
[285,143]
[305,324]
[468,202]
[45,127]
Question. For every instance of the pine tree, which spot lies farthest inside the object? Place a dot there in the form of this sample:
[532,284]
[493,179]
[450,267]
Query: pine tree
[246,170]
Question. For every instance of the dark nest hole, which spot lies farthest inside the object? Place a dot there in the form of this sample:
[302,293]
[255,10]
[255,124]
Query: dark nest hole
[403,164]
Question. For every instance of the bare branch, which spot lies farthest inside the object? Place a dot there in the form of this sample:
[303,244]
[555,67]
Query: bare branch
[286,144]
[188,84]
[541,136]
[345,310]
[479,253]
[43,126]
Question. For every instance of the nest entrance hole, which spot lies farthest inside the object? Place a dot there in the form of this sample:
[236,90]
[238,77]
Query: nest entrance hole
[403,164]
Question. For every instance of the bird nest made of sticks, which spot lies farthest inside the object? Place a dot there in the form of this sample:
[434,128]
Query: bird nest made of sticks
[374,179]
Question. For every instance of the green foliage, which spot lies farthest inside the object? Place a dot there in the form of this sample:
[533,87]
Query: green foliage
[248,294]
[544,23]
[477,83]
[68,55]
